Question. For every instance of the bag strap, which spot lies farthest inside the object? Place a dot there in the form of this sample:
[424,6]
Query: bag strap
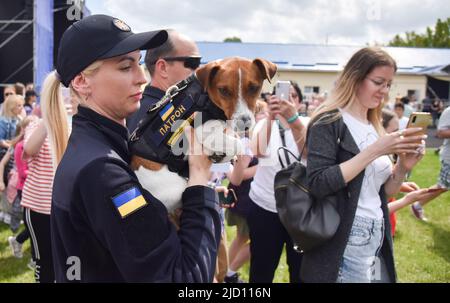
[286,152]
[341,134]
[283,141]
[341,131]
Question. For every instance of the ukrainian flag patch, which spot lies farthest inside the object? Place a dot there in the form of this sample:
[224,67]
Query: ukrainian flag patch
[166,111]
[129,201]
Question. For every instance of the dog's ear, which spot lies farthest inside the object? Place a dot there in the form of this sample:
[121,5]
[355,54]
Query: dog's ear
[206,73]
[267,68]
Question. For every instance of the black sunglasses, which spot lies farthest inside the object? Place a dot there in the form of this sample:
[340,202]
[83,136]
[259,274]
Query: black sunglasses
[191,62]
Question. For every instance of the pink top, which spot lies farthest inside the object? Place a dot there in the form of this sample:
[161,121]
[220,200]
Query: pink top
[21,165]
[37,190]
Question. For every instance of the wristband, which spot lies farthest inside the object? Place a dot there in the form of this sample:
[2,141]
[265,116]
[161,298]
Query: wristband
[293,118]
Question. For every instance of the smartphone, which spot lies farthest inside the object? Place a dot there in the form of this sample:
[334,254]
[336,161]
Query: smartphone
[229,201]
[432,190]
[419,119]
[282,89]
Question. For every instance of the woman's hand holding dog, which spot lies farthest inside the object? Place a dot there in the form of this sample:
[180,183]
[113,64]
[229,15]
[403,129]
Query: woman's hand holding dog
[199,163]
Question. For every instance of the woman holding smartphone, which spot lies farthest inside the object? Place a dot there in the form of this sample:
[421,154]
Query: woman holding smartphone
[348,158]
[283,127]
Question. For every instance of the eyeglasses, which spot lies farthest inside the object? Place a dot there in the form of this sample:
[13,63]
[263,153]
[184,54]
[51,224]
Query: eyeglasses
[381,84]
[191,62]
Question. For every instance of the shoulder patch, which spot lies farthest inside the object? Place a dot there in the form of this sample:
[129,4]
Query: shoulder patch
[129,201]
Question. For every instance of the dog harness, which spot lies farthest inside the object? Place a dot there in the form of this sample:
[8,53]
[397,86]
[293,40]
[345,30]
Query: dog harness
[162,128]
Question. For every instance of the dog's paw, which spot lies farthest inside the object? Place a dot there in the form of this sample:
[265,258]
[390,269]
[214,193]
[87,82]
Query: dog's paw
[217,144]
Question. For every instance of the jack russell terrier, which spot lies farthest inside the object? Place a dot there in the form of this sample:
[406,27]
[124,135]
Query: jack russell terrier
[222,90]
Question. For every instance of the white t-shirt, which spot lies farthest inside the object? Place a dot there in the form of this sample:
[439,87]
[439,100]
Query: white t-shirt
[444,124]
[219,170]
[262,186]
[408,111]
[376,173]
[402,123]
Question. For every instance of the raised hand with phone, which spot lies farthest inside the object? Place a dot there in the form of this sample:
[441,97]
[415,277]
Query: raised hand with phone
[284,106]
[286,112]
[281,104]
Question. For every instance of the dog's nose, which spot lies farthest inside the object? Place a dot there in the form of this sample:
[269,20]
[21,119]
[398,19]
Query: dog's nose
[243,122]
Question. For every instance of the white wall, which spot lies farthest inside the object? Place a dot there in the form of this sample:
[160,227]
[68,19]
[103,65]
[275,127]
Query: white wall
[325,80]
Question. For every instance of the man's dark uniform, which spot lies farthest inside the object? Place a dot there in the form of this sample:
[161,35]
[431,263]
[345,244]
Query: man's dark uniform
[150,96]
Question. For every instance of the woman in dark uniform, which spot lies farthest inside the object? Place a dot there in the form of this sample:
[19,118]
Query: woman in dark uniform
[104,225]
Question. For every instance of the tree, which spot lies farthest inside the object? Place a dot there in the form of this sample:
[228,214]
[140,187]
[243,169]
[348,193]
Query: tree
[437,37]
[232,39]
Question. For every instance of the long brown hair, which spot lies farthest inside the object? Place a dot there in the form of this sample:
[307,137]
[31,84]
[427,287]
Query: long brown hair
[362,63]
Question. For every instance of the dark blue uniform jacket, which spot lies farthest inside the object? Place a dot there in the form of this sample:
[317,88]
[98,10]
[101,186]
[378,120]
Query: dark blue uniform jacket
[150,96]
[135,244]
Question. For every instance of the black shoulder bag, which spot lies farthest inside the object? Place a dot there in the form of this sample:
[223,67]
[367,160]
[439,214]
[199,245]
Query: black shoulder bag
[308,221]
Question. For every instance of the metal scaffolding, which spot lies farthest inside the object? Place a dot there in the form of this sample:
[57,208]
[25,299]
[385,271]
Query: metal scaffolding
[38,19]
[4,24]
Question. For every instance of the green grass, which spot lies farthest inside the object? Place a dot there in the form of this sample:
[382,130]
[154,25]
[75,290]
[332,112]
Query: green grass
[422,249]
[13,270]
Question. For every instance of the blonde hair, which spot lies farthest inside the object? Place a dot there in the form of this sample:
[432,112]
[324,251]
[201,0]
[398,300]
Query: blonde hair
[10,103]
[54,112]
[90,70]
[358,67]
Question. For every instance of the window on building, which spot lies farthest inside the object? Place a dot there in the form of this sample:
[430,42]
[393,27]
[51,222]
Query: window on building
[413,94]
[312,89]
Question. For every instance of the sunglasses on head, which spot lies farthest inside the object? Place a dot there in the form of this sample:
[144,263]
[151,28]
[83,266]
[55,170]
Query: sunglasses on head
[191,62]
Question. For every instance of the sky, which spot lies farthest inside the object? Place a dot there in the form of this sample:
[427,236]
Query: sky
[334,22]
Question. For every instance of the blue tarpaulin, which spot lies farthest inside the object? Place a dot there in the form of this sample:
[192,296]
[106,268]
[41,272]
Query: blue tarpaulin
[43,41]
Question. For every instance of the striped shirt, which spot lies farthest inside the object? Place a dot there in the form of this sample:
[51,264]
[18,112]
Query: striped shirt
[37,190]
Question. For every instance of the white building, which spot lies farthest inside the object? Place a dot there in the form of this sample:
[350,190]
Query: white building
[315,67]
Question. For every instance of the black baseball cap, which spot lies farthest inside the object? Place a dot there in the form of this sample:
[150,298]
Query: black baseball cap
[99,37]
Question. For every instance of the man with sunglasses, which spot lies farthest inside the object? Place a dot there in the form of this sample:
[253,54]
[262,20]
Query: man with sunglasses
[167,64]
[8,91]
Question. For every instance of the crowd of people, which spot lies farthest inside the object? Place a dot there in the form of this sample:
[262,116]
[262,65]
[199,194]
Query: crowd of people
[65,171]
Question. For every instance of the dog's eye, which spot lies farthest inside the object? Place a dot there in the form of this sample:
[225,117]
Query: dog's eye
[224,91]
[253,89]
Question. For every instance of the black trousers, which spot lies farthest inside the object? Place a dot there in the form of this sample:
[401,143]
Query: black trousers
[25,234]
[267,239]
[39,228]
